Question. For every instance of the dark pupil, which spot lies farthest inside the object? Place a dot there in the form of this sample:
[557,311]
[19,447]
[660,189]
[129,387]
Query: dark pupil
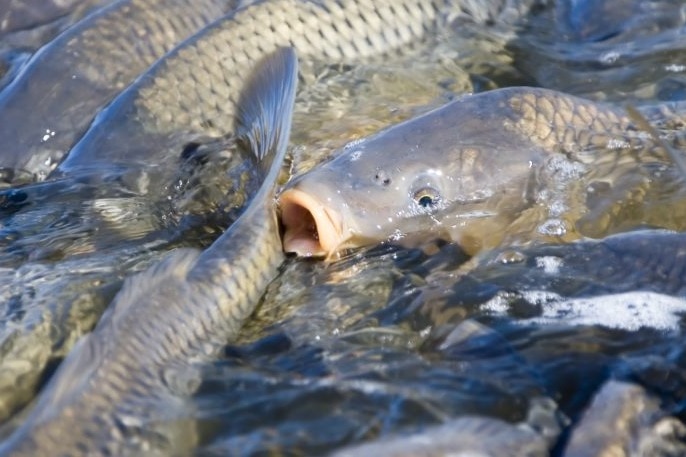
[426,201]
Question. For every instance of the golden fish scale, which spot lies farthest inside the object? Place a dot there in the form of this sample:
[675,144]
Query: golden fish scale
[212,71]
[342,28]
[158,25]
[72,77]
[113,391]
[601,137]
[131,377]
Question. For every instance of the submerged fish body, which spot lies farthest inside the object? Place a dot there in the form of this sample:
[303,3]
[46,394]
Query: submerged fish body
[471,436]
[469,171]
[51,102]
[112,392]
[17,15]
[624,419]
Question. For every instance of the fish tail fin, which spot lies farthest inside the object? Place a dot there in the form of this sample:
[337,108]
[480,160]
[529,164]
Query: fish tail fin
[266,107]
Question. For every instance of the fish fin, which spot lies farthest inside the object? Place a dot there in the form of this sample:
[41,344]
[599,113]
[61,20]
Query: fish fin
[266,107]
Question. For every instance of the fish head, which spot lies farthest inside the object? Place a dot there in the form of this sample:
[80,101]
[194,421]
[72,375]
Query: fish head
[439,175]
[328,210]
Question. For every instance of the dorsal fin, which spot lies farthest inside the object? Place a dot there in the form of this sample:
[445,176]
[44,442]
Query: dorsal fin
[264,124]
[265,108]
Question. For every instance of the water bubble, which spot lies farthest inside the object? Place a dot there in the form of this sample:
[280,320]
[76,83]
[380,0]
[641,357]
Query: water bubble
[617,143]
[48,134]
[352,144]
[675,68]
[550,265]
[552,227]
[511,256]
[608,58]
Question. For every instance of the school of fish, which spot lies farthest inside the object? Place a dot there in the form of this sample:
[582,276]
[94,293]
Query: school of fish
[446,174]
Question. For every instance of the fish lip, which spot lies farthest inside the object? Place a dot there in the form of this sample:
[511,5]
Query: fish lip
[310,228]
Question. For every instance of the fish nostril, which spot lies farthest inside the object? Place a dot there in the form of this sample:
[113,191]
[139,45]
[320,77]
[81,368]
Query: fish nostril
[382,178]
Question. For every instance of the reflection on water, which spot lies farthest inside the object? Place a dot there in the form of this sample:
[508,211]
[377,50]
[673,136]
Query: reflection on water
[388,340]
[619,50]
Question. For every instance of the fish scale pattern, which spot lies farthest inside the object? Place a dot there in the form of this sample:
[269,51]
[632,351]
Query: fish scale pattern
[68,80]
[196,89]
[179,310]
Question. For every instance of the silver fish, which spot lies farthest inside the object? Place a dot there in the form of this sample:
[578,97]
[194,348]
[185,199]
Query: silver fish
[624,420]
[175,103]
[184,308]
[51,102]
[17,15]
[198,80]
[471,436]
[474,171]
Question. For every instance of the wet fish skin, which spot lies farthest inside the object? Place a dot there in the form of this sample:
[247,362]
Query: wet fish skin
[176,101]
[641,266]
[51,102]
[208,59]
[113,384]
[25,26]
[465,171]
[18,15]
[655,259]
[471,436]
[624,420]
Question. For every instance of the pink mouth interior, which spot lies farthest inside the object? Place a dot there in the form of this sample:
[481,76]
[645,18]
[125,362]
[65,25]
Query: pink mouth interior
[310,228]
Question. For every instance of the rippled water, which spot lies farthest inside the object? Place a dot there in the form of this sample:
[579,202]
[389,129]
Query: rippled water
[389,339]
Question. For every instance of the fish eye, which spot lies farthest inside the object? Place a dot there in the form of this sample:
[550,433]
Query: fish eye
[427,197]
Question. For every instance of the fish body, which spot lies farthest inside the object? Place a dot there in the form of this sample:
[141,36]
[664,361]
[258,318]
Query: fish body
[113,388]
[467,171]
[16,15]
[134,191]
[472,436]
[51,102]
[191,94]
[476,436]
[639,260]
[625,420]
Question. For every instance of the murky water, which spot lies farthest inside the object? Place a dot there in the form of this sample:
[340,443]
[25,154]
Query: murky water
[385,340]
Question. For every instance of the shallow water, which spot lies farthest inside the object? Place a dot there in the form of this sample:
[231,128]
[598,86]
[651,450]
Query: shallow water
[389,339]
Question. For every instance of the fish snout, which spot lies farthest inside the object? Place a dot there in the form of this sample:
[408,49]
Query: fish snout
[311,228]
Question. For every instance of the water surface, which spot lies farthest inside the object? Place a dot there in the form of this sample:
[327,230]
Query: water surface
[388,339]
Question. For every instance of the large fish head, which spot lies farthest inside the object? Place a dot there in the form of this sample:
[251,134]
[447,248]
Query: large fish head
[441,174]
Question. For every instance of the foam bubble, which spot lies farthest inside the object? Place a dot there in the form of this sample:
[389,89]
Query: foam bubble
[550,265]
[626,311]
[553,227]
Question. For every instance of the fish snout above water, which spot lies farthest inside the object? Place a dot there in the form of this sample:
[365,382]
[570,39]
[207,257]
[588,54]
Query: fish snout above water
[444,173]
[313,227]
[517,164]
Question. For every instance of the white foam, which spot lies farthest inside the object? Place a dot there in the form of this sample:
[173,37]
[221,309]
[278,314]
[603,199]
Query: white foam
[553,227]
[549,264]
[626,311]
[497,305]
[540,297]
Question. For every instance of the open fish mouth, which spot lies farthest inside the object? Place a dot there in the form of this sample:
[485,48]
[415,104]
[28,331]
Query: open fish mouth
[311,228]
